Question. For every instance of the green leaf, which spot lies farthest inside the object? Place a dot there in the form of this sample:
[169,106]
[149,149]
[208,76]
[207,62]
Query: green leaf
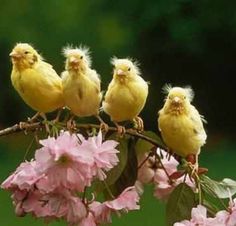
[155,137]
[222,189]
[180,204]
[142,146]
[212,203]
[115,173]
[129,174]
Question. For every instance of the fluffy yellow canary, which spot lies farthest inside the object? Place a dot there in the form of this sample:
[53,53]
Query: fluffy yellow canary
[81,84]
[126,94]
[35,80]
[180,124]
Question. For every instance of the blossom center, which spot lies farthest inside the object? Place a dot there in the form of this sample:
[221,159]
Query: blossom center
[64,160]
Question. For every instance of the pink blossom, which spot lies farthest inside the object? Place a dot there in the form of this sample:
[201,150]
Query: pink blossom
[199,218]
[23,178]
[228,218]
[163,185]
[101,212]
[58,204]
[103,154]
[72,163]
[59,159]
[88,221]
[146,172]
[48,187]
[35,203]
[126,200]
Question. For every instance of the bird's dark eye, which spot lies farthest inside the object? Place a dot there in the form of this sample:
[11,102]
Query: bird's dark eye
[129,69]
[26,52]
[184,97]
[81,57]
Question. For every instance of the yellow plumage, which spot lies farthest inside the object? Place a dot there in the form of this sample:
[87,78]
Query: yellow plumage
[127,92]
[35,80]
[180,124]
[81,84]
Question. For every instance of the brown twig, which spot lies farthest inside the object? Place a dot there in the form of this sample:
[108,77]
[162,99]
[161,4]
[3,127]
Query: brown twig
[38,125]
[19,128]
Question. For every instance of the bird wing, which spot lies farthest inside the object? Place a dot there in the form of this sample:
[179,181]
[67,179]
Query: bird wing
[52,79]
[109,93]
[198,123]
[95,77]
[64,75]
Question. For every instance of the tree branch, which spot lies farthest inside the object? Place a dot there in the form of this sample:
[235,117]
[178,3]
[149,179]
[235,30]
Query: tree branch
[20,127]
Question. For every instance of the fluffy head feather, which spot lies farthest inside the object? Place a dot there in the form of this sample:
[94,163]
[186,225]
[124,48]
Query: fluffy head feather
[128,66]
[186,91]
[24,56]
[81,54]
[178,99]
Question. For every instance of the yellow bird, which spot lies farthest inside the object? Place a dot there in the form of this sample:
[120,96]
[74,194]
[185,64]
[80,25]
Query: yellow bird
[180,123]
[81,84]
[35,80]
[126,94]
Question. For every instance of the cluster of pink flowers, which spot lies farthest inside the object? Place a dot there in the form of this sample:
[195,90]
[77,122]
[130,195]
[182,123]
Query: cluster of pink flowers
[153,172]
[51,185]
[222,218]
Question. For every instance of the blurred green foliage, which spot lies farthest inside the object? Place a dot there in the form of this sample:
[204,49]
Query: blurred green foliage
[180,42]
[183,42]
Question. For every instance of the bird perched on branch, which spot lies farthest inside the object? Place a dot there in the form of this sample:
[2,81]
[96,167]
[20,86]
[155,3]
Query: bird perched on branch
[180,123]
[126,94]
[35,80]
[81,84]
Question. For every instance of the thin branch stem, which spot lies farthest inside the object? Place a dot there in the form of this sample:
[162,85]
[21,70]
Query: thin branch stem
[39,125]
[143,162]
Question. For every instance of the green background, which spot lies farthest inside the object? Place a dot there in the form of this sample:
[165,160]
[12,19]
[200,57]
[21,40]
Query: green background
[181,42]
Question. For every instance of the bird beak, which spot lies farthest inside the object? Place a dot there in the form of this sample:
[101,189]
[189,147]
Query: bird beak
[176,100]
[15,55]
[120,72]
[73,60]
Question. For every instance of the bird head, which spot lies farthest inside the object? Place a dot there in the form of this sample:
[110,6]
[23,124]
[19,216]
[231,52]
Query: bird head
[125,69]
[24,56]
[178,99]
[77,59]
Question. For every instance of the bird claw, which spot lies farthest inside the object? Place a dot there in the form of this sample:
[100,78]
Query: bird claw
[71,125]
[33,118]
[139,124]
[23,125]
[194,170]
[121,130]
[57,116]
[104,127]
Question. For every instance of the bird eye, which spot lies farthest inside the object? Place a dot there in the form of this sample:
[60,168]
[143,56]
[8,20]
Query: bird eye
[81,57]
[129,69]
[184,97]
[26,52]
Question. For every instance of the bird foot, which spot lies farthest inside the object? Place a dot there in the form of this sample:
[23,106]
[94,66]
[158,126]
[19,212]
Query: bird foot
[57,117]
[24,125]
[32,119]
[139,124]
[71,125]
[121,130]
[194,170]
[104,127]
